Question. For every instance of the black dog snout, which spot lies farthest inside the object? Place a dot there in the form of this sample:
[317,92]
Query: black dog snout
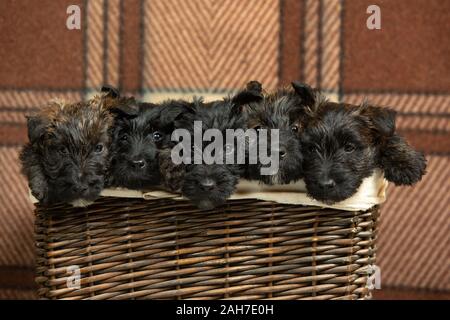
[138,164]
[80,188]
[207,184]
[94,182]
[327,183]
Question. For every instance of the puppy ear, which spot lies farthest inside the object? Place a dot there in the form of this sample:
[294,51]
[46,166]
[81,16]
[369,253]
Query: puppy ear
[305,92]
[125,108]
[36,128]
[254,86]
[177,110]
[382,120]
[402,164]
[110,91]
[251,93]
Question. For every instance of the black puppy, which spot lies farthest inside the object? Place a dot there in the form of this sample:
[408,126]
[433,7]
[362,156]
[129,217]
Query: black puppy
[138,141]
[67,154]
[209,185]
[344,144]
[281,111]
[171,173]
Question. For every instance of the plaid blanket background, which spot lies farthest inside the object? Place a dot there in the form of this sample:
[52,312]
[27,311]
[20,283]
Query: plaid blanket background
[160,48]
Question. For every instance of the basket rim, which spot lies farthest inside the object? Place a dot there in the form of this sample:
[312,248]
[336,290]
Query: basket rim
[371,192]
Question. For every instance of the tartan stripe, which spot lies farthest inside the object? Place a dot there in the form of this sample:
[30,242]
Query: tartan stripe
[17,277]
[311,44]
[112,58]
[130,46]
[29,99]
[13,135]
[95,43]
[216,47]
[330,45]
[423,123]
[423,103]
[432,110]
[15,104]
[18,294]
[16,215]
[428,142]
[413,239]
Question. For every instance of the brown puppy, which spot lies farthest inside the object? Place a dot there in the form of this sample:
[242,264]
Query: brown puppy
[67,154]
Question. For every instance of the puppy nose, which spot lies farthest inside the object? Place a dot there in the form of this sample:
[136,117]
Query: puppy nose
[94,181]
[80,189]
[327,183]
[139,163]
[207,184]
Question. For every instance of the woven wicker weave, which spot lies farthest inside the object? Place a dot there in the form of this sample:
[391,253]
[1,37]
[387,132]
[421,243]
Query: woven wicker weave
[166,249]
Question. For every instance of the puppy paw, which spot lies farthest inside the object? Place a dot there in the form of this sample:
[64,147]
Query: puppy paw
[408,171]
[402,164]
[39,190]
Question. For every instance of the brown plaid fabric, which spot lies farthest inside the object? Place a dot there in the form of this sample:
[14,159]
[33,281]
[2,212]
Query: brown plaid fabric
[158,48]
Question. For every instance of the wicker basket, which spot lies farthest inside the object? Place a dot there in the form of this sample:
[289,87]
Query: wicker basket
[125,248]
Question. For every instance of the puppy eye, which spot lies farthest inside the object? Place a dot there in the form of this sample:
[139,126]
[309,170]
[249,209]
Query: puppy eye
[124,137]
[99,148]
[349,147]
[294,128]
[157,136]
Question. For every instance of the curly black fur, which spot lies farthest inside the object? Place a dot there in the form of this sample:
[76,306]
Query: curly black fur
[67,154]
[172,175]
[210,185]
[282,110]
[344,144]
[339,153]
[402,164]
[138,140]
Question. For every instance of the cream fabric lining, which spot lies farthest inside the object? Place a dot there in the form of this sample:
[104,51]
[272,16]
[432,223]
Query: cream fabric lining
[371,192]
